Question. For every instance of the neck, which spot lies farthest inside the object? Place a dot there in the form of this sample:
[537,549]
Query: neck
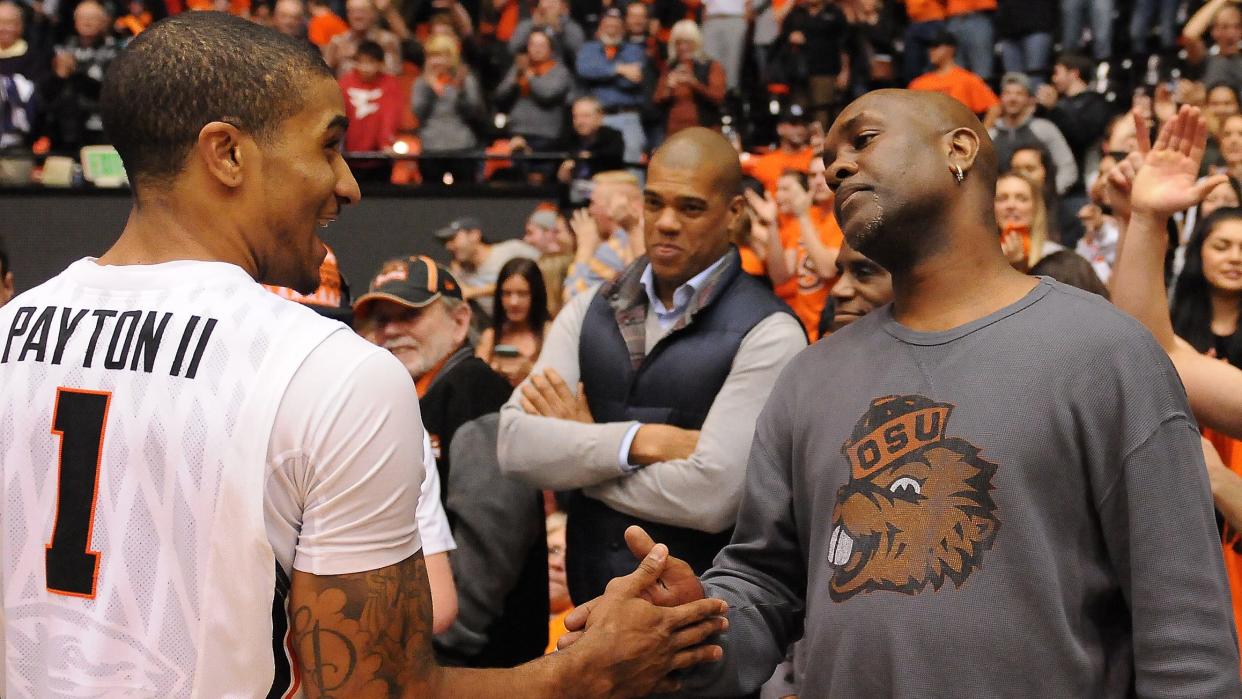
[480,255]
[516,326]
[789,147]
[11,44]
[1225,309]
[965,281]
[1076,88]
[1013,120]
[165,231]
[664,290]
[946,67]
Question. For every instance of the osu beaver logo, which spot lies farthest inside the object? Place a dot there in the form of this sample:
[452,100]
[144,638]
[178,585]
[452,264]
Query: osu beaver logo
[917,508]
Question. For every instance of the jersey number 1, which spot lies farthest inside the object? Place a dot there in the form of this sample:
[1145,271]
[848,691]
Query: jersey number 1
[79,417]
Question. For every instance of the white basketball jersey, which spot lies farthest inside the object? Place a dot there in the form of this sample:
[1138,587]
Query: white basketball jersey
[136,407]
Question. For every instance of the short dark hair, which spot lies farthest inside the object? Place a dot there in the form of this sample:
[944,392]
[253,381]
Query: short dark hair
[1076,62]
[371,49]
[195,68]
[1068,267]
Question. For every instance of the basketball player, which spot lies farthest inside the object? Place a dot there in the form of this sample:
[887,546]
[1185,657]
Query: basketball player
[992,487]
[209,491]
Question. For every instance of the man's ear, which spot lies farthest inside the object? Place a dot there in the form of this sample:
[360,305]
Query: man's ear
[962,146]
[461,322]
[219,148]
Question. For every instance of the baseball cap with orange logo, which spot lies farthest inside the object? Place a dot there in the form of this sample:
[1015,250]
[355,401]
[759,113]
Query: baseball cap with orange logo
[413,282]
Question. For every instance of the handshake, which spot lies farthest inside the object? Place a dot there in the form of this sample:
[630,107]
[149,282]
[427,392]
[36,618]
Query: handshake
[646,625]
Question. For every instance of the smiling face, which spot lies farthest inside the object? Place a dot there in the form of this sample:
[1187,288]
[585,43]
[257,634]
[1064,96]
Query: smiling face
[788,191]
[1014,100]
[1231,140]
[1222,257]
[1015,204]
[420,338]
[1227,29]
[1222,103]
[686,220]
[300,182]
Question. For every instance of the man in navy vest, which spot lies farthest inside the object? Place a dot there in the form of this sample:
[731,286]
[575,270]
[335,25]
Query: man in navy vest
[644,399]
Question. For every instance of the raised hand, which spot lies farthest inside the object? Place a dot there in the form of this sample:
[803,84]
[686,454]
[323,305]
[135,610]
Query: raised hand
[586,231]
[763,207]
[1166,182]
[630,645]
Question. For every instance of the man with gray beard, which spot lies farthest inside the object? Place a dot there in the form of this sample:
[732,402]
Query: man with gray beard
[414,309]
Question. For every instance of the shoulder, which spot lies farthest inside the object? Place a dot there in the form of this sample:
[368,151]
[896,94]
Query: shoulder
[1087,325]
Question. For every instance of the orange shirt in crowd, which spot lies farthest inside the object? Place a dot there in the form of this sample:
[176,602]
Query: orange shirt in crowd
[961,7]
[960,84]
[1230,451]
[808,291]
[322,28]
[752,264]
[556,629]
[767,168]
[925,10]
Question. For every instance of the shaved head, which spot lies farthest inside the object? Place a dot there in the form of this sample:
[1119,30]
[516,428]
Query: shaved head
[692,200]
[698,148]
[893,157]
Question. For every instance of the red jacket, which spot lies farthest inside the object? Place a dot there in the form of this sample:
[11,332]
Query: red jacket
[374,111]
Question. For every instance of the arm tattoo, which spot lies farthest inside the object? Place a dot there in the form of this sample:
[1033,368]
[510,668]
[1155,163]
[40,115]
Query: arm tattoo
[363,634]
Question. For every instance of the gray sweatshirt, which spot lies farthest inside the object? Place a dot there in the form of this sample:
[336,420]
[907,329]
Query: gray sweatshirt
[445,120]
[542,112]
[1015,507]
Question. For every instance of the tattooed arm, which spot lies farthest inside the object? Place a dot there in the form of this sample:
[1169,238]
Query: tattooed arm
[369,635]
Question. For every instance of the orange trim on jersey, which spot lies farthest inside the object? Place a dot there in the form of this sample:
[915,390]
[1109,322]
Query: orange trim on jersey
[90,525]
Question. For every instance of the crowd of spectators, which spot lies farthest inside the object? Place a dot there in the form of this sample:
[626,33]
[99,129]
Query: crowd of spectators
[491,89]
[585,90]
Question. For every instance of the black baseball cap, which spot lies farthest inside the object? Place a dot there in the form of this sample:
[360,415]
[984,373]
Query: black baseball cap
[942,38]
[465,223]
[412,282]
[793,114]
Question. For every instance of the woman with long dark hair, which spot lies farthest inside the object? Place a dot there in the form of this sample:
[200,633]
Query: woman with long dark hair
[1208,295]
[519,322]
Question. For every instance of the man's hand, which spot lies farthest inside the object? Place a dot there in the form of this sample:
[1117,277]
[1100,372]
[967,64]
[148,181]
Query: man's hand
[1011,246]
[547,395]
[565,172]
[630,645]
[518,143]
[1047,96]
[1165,184]
[586,231]
[631,71]
[797,38]
[654,443]
[621,210]
[1163,106]
[676,585]
[63,64]
[763,209]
